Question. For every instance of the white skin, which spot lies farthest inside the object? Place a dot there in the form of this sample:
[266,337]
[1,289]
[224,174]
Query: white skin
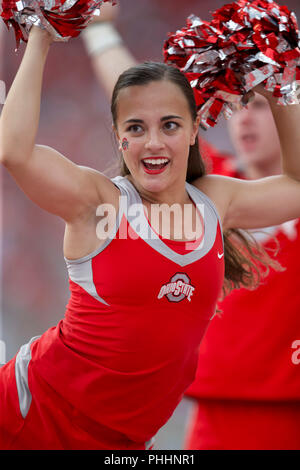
[156,121]
[255,139]
[74,192]
[112,62]
[150,134]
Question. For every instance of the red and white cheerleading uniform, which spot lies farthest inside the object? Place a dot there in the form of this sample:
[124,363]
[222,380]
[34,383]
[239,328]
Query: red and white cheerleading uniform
[111,373]
[247,384]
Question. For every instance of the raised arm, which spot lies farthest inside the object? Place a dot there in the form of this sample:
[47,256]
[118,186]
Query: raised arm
[109,55]
[267,201]
[20,115]
[52,181]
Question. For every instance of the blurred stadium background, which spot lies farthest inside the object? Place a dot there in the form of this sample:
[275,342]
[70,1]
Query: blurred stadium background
[75,120]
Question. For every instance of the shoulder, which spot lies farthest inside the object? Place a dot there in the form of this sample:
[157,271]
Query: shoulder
[214,183]
[106,190]
[207,182]
[218,188]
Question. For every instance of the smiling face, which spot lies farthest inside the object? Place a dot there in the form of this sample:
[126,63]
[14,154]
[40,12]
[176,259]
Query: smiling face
[254,136]
[156,121]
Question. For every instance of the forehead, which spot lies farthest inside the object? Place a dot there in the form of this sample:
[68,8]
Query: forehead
[258,104]
[154,99]
[258,99]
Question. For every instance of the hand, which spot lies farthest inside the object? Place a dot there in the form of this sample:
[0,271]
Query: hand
[40,35]
[248,97]
[260,89]
[108,13]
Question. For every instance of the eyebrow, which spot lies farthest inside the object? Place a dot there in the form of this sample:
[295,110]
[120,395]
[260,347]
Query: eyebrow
[165,118]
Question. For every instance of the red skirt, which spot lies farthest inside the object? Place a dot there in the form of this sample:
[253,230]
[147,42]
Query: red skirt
[51,422]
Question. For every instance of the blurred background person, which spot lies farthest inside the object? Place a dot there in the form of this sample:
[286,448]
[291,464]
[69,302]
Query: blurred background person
[247,387]
[247,384]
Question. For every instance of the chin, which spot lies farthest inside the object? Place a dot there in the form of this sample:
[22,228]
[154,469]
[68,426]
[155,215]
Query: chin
[154,185]
[250,158]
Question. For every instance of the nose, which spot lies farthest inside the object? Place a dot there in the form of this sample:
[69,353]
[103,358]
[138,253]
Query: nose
[154,141]
[241,119]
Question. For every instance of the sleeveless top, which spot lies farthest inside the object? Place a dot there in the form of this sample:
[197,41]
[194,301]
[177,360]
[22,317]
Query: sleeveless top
[258,353]
[127,347]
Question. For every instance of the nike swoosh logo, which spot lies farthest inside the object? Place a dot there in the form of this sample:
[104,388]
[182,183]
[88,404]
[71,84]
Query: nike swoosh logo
[220,255]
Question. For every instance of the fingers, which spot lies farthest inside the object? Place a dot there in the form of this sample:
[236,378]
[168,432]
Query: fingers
[248,97]
[38,34]
[108,13]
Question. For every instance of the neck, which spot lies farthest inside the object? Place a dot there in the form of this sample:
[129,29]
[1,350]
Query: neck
[176,195]
[253,172]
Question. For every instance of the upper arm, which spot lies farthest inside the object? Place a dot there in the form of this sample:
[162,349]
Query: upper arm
[254,203]
[58,185]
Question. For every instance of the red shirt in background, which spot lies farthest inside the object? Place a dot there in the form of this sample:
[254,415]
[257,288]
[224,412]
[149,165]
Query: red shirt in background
[247,352]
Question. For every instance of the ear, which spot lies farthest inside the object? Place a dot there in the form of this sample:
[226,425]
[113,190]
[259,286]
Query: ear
[196,124]
[115,130]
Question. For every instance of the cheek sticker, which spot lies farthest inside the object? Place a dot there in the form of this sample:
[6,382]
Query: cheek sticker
[125,144]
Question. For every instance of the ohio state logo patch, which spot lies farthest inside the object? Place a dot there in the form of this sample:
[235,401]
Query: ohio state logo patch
[177,289]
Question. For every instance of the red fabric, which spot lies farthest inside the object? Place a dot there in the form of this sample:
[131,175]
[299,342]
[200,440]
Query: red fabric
[218,162]
[230,425]
[11,421]
[52,422]
[141,383]
[245,368]
[183,247]
[108,370]
[247,351]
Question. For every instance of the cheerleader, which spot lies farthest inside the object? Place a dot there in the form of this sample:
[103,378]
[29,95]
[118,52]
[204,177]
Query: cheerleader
[106,377]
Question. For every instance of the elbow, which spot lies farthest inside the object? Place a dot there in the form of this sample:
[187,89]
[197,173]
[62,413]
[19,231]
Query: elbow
[7,152]
[12,158]
[6,160]
[11,161]
[14,151]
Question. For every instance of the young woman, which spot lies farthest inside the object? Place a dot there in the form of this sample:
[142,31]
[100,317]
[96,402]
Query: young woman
[113,370]
[250,381]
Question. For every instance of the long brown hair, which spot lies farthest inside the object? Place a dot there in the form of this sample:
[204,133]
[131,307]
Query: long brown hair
[246,261]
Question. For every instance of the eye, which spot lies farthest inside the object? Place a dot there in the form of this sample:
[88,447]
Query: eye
[171,126]
[260,104]
[135,129]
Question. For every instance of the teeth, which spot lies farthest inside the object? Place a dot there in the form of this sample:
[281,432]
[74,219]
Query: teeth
[156,161]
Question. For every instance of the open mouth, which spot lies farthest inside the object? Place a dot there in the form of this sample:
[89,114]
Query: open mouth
[249,138]
[155,164]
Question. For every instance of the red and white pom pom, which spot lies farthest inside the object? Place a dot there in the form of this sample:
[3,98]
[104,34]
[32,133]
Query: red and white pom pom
[245,44]
[63,19]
